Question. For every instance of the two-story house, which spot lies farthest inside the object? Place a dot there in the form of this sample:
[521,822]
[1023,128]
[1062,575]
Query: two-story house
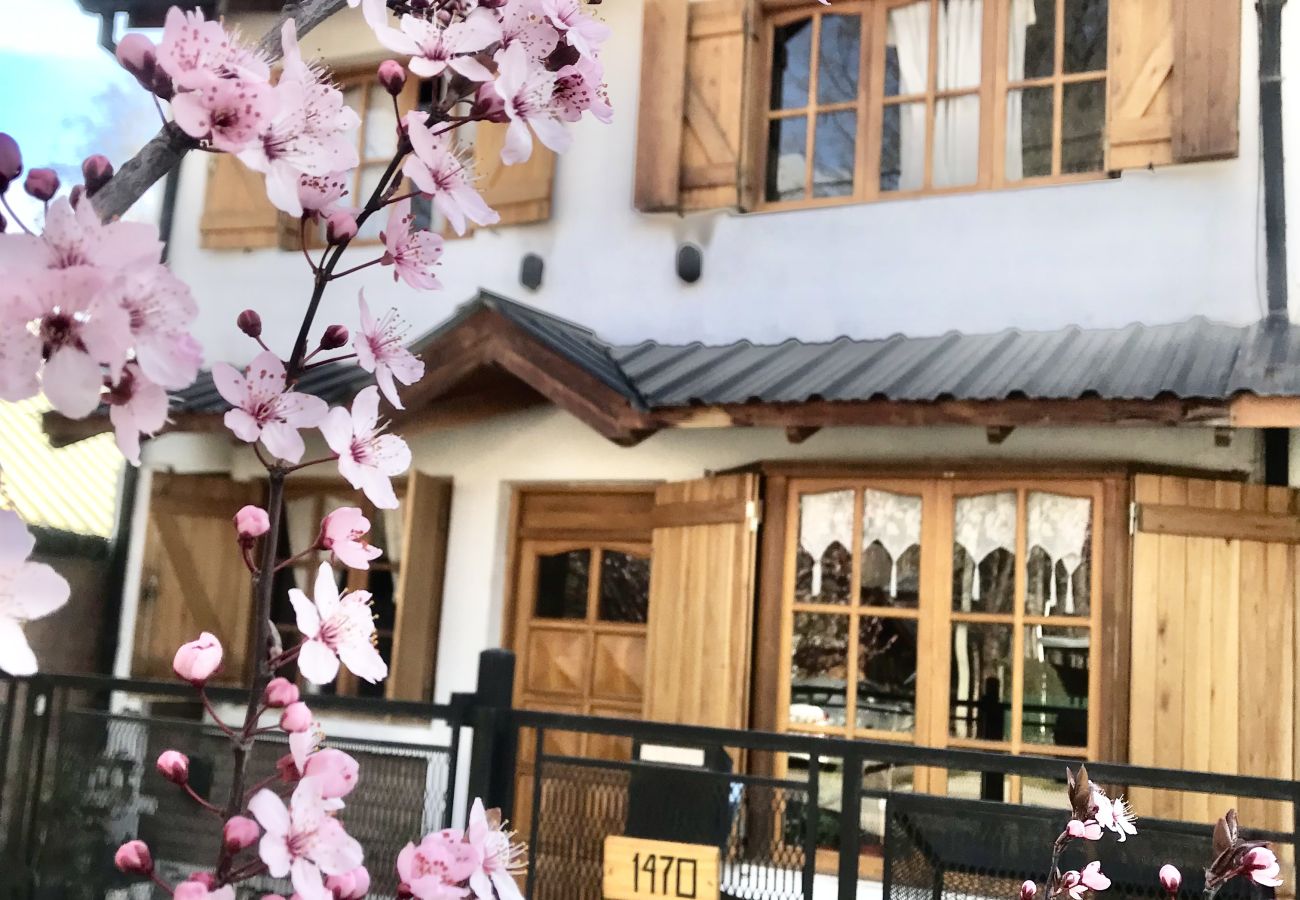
[907,369]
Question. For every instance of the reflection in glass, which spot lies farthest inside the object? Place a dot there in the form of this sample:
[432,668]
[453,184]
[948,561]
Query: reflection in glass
[980,681]
[791,56]
[972,785]
[833,154]
[907,49]
[902,147]
[961,28]
[1059,537]
[957,141]
[886,698]
[1029,133]
[787,158]
[819,669]
[1085,35]
[382,605]
[824,562]
[839,49]
[983,563]
[1056,686]
[624,587]
[1038,791]
[562,585]
[1031,39]
[883,777]
[891,557]
[1083,116]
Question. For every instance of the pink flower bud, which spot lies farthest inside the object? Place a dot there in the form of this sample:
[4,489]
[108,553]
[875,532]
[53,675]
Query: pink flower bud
[198,887]
[96,171]
[74,196]
[251,522]
[11,161]
[42,184]
[205,880]
[280,692]
[174,766]
[239,832]
[488,104]
[335,770]
[334,337]
[138,55]
[250,323]
[340,227]
[1170,878]
[392,76]
[196,661]
[404,891]
[1028,890]
[351,885]
[134,858]
[296,717]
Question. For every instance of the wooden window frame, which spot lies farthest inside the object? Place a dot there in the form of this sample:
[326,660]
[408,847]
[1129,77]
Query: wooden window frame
[992,91]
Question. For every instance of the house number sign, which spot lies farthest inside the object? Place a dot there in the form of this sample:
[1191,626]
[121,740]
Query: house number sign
[637,869]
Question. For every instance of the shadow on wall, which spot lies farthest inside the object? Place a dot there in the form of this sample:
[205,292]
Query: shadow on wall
[76,639]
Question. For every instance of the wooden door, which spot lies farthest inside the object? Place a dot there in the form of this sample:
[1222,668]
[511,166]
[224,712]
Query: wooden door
[193,579]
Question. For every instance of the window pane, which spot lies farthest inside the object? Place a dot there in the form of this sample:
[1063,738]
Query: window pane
[961,25]
[902,147]
[370,176]
[382,605]
[1083,115]
[791,55]
[907,49]
[562,585]
[891,559]
[624,587]
[834,153]
[819,664]
[980,682]
[973,785]
[839,52]
[1059,538]
[983,563]
[1029,133]
[1038,791]
[886,674]
[1085,35]
[1031,44]
[380,126]
[1056,686]
[787,158]
[824,562]
[957,141]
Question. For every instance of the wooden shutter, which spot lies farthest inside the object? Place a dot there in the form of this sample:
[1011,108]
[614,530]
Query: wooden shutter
[236,213]
[419,587]
[193,579]
[520,193]
[701,601]
[690,126]
[1174,81]
[1214,639]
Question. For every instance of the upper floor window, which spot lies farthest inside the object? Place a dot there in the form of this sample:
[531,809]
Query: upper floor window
[885,98]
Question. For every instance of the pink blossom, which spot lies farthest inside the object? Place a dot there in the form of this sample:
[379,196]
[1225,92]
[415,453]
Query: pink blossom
[527,90]
[343,532]
[174,766]
[28,590]
[1170,878]
[435,46]
[160,310]
[499,856]
[580,88]
[435,868]
[229,113]
[368,458]
[264,409]
[74,237]
[381,349]
[280,692]
[239,832]
[198,660]
[303,840]
[336,770]
[412,254]
[251,522]
[137,407]
[193,50]
[522,23]
[437,170]
[584,33]
[1028,890]
[77,333]
[296,717]
[349,885]
[11,161]
[1262,866]
[340,227]
[1090,879]
[1089,830]
[197,890]
[134,858]
[42,184]
[318,194]
[336,627]
[1114,815]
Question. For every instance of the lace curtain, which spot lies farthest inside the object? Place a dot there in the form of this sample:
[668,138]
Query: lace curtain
[1059,525]
[981,525]
[895,521]
[824,519]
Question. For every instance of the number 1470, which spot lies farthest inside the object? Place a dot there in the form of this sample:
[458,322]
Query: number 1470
[667,876]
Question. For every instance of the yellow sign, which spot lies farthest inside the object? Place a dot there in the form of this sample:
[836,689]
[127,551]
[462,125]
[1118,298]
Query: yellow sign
[637,869]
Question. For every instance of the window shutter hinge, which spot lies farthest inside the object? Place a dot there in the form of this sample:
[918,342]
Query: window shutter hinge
[1132,519]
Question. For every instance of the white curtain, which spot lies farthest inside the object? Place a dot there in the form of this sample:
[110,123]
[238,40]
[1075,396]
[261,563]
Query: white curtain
[957,120]
[1022,17]
[909,35]
[303,527]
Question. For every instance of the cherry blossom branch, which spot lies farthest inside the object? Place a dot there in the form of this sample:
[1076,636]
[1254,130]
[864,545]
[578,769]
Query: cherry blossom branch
[207,706]
[312,462]
[302,242]
[210,807]
[364,265]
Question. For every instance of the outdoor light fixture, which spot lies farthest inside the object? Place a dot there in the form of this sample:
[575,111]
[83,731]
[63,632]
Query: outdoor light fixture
[530,271]
[690,263]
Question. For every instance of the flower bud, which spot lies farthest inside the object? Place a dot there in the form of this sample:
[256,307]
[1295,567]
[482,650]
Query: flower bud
[11,161]
[42,184]
[96,171]
[198,887]
[4,223]
[251,522]
[74,196]
[392,76]
[350,885]
[134,858]
[280,692]
[296,717]
[334,337]
[1170,878]
[1028,890]
[205,880]
[488,104]
[138,55]
[174,766]
[340,227]
[196,661]
[287,769]
[250,323]
[239,832]
[404,891]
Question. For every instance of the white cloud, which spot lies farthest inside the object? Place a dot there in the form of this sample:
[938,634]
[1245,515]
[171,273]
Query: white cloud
[60,28]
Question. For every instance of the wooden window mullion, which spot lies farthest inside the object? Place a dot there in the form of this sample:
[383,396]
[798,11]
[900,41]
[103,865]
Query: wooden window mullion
[855,580]
[814,58]
[1058,92]
[931,78]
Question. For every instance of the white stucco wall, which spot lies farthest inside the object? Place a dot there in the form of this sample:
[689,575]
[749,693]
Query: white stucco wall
[1153,246]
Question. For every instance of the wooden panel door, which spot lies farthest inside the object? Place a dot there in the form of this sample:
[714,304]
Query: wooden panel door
[193,579]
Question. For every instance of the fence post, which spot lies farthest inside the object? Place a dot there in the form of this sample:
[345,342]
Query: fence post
[850,826]
[495,745]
